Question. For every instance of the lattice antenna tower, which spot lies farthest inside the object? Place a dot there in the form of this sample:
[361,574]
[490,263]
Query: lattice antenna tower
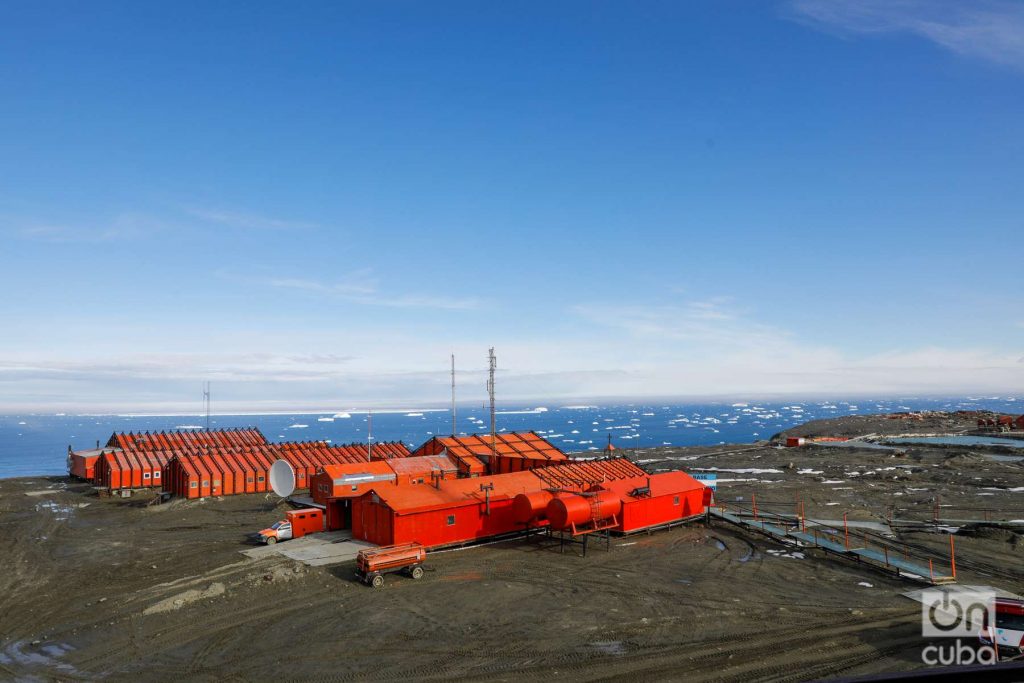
[492,365]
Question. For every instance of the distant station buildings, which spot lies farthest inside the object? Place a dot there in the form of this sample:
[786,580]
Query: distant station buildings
[451,490]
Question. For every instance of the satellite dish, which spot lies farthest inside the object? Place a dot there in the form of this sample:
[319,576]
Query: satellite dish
[282,478]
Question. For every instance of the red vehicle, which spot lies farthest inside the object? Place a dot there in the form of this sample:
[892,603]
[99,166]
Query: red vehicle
[373,563]
[1008,631]
[297,523]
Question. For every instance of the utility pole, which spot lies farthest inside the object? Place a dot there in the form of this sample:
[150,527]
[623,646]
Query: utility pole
[206,403]
[369,435]
[454,427]
[492,362]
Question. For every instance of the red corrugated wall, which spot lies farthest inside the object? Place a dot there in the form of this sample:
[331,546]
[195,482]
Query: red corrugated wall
[640,513]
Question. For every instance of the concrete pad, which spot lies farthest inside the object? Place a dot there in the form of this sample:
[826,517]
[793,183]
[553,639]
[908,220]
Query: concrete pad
[305,501]
[917,595]
[315,550]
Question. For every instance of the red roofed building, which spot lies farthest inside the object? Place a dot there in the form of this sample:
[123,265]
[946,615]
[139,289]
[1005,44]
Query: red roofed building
[451,512]
[164,441]
[456,511]
[334,486]
[512,452]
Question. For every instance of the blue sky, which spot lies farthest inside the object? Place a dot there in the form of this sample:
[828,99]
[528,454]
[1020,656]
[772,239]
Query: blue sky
[313,206]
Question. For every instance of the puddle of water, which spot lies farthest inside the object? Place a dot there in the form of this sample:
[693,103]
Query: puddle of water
[21,653]
[1003,458]
[719,544]
[609,647]
[60,511]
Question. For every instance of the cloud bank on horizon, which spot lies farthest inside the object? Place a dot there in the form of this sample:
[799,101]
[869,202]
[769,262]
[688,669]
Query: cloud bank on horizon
[820,197]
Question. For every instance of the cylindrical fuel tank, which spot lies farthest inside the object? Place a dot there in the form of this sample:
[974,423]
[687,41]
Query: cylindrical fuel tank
[567,510]
[530,507]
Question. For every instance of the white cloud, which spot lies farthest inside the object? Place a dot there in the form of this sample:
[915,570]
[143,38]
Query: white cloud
[126,225]
[361,287]
[691,349]
[673,350]
[248,221]
[992,30]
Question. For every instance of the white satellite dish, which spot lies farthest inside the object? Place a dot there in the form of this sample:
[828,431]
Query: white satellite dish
[282,478]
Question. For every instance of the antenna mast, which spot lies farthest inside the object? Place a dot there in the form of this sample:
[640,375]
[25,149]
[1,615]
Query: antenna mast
[369,435]
[492,366]
[206,403]
[454,432]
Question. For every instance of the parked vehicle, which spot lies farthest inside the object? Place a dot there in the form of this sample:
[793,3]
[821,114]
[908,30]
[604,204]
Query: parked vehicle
[1008,631]
[373,563]
[297,523]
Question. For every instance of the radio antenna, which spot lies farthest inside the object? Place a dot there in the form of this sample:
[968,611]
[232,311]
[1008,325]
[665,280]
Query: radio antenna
[454,432]
[206,403]
[492,363]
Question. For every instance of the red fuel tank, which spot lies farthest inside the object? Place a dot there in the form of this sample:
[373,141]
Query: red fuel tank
[530,507]
[566,510]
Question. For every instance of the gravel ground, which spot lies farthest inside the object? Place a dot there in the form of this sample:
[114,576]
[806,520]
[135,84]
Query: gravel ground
[108,588]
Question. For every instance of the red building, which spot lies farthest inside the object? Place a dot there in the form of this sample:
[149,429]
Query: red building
[183,439]
[210,471]
[335,486]
[452,512]
[512,452]
[118,469]
[82,464]
[660,499]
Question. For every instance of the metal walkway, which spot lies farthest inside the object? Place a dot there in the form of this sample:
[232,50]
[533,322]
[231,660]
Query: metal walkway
[882,558]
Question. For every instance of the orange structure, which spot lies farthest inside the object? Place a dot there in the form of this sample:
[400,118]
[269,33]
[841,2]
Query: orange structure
[167,441]
[373,563]
[334,486]
[576,496]
[663,498]
[512,452]
[220,462]
[130,469]
[296,524]
[82,464]
[579,512]
[231,471]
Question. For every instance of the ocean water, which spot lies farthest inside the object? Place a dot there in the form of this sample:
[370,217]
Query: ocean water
[36,444]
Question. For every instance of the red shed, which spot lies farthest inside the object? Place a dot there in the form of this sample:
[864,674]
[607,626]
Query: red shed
[82,464]
[450,512]
[1019,422]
